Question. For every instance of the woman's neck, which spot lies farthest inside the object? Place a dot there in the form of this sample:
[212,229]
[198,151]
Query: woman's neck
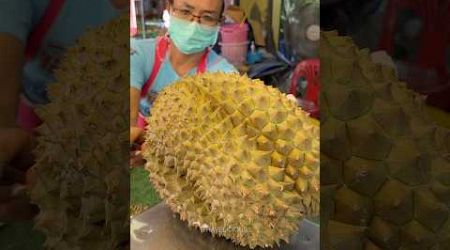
[183,63]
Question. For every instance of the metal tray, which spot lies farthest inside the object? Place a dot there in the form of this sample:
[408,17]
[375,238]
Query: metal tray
[158,228]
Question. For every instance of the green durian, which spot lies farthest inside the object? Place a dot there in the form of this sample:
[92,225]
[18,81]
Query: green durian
[234,157]
[385,182]
[81,180]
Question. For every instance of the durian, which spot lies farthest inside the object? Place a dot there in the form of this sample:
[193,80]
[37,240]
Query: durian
[385,180]
[234,157]
[81,180]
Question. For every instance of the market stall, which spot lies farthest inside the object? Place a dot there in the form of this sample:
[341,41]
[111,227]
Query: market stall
[260,39]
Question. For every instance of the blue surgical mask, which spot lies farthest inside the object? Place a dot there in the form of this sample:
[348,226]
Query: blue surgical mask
[191,37]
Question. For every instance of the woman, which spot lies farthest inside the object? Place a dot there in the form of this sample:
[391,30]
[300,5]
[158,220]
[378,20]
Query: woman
[157,63]
[33,36]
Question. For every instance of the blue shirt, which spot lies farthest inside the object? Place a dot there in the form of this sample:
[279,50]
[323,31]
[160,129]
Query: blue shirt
[19,17]
[141,63]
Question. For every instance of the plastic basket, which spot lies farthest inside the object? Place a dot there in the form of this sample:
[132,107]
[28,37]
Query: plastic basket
[234,33]
[235,53]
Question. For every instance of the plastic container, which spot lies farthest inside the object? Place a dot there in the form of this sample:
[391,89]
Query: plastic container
[235,53]
[234,33]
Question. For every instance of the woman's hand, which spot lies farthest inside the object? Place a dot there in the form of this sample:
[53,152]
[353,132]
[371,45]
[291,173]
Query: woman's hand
[136,134]
[15,159]
[381,57]
[291,97]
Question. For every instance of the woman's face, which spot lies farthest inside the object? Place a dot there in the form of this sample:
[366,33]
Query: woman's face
[206,12]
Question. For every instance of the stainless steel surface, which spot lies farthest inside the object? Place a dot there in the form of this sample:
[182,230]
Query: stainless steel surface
[158,228]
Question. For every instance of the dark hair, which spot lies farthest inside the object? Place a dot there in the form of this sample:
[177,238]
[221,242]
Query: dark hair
[221,11]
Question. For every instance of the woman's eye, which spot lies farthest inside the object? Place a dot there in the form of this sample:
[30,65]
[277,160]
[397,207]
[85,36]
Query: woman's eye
[208,19]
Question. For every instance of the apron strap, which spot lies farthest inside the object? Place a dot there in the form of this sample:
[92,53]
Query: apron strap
[26,117]
[40,31]
[203,62]
[162,45]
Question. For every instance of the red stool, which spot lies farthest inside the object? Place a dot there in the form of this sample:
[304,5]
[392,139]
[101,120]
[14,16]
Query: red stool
[309,69]
[434,39]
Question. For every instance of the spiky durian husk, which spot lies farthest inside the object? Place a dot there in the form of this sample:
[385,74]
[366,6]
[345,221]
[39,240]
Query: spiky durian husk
[386,173]
[234,157]
[81,175]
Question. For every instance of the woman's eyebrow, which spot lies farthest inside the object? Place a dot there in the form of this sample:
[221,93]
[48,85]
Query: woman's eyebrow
[202,11]
[209,11]
[188,6]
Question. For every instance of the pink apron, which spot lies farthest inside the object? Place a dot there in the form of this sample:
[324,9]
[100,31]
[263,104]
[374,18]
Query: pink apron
[162,44]
[27,118]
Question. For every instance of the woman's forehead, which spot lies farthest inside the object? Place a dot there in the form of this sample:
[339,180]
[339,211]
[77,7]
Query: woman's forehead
[212,6]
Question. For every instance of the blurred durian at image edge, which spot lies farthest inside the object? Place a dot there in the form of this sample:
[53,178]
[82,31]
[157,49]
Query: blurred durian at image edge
[385,165]
[80,181]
